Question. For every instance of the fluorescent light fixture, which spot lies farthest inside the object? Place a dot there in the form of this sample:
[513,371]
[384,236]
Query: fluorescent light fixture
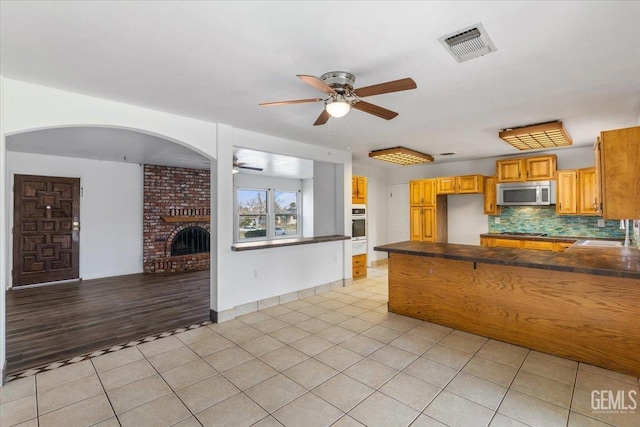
[401,156]
[338,106]
[532,137]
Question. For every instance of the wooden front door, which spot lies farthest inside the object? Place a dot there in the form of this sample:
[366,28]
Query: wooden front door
[45,229]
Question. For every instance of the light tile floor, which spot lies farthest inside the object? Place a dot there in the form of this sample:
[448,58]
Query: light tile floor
[337,358]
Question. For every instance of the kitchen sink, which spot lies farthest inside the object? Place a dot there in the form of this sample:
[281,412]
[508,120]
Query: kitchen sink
[601,243]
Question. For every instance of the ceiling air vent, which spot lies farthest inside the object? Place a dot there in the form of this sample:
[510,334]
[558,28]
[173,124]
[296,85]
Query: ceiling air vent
[468,43]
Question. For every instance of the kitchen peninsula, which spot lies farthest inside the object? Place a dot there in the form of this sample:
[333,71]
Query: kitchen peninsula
[580,304]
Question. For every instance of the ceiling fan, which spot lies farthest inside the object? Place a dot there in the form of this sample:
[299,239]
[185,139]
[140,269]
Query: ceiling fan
[341,96]
[237,166]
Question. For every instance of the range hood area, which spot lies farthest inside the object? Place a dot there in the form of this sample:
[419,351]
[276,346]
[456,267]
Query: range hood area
[530,193]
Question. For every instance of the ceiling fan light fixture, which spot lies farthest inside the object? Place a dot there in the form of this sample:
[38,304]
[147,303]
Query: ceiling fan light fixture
[401,156]
[338,106]
[533,137]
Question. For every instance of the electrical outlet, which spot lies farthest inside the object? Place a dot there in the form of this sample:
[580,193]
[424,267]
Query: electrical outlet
[496,220]
[601,223]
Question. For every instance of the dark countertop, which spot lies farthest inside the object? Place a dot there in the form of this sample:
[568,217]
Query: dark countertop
[619,262]
[567,239]
[264,244]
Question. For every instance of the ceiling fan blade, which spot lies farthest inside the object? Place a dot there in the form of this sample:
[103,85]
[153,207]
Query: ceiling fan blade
[295,101]
[317,83]
[251,168]
[375,110]
[322,118]
[388,87]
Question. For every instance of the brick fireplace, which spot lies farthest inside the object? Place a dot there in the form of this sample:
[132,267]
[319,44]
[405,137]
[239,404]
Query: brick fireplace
[176,216]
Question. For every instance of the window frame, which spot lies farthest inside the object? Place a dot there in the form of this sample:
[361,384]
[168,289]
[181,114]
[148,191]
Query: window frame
[270,215]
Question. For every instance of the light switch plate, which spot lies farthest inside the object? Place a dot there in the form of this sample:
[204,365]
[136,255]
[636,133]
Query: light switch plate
[601,223]
[496,220]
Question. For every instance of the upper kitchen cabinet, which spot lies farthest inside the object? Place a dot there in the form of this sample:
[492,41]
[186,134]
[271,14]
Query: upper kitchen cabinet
[423,192]
[566,199]
[576,192]
[490,196]
[618,173]
[539,168]
[467,184]
[587,198]
[358,190]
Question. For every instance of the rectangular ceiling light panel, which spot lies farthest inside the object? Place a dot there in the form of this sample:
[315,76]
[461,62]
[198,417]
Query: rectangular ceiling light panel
[401,156]
[545,135]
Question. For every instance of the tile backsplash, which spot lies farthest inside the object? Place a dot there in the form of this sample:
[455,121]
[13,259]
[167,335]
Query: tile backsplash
[543,219]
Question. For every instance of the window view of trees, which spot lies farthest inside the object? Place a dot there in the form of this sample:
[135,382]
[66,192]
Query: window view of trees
[259,208]
[286,212]
[252,212]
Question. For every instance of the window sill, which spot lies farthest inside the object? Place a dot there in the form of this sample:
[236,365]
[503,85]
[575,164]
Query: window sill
[266,244]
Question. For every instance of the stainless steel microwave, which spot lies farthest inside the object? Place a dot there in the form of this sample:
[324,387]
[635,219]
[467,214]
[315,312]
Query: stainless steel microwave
[531,193]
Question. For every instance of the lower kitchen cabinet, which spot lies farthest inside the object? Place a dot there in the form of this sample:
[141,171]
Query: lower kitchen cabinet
[359,266]
[539,245]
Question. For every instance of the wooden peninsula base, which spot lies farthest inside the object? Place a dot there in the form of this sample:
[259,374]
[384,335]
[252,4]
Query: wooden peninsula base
[585,317]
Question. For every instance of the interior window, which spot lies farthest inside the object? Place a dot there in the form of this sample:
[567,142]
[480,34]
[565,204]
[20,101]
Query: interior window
[252,213]
[286,213]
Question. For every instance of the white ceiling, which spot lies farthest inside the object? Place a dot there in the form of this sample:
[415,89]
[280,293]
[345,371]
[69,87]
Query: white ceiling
[578,62]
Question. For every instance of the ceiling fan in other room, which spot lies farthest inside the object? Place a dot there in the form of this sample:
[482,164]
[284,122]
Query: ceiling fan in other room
[237,166]
[341,96]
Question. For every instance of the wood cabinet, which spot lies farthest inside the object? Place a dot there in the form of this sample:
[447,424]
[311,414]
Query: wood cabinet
[422,192]
[618,171]
[490,196]
[538,168]
[539,245]
[587,200]
[422,224]
[359,266]
[576,192]
[566,198]
[358,190]
[427,212]
[466,184]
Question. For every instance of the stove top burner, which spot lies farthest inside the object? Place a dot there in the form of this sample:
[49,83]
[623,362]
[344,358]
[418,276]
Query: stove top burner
[510,233]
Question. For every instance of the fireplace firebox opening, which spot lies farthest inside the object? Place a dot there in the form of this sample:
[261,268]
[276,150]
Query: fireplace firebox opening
[191,240]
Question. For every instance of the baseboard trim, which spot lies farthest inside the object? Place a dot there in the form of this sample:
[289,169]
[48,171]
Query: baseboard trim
[250,307]
[379,262]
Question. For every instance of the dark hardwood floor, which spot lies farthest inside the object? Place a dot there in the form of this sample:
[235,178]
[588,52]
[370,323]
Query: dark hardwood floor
[59,321]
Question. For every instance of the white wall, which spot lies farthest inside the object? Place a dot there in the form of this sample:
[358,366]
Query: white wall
[110,209]
[4,244]
[325,220]
[279,270]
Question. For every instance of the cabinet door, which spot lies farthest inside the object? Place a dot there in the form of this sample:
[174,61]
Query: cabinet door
[362,189]
[354,189]
[446,185]
[510,170]
[416,193]
[587,191]
[597,151]
[490,205]
[540,168]
[429,191]
[566,200]
[428,224]
[621,173]
[415,223]
[507,243]
[469,184]
[358,190]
